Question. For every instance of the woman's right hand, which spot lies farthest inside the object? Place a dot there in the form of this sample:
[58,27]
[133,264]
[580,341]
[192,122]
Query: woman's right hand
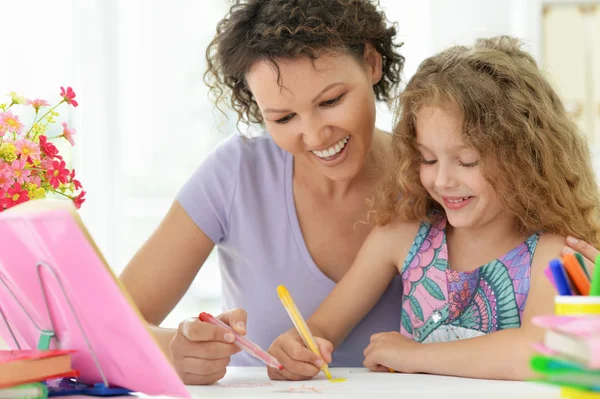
[585,249]
[299,362]
[200,352]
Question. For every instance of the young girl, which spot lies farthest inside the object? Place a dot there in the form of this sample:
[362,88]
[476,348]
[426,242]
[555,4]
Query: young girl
[488,176]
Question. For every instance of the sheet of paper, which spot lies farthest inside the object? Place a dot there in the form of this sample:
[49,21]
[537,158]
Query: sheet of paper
[254,382]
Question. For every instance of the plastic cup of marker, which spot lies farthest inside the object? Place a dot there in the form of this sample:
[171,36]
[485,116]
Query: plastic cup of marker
[576,305]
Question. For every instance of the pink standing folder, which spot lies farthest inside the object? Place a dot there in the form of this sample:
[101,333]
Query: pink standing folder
[52,232]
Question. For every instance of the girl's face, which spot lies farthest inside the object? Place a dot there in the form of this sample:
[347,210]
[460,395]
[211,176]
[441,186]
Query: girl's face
[450,171]
[322,113]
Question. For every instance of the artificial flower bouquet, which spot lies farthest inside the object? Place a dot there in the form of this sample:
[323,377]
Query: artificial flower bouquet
[30,164]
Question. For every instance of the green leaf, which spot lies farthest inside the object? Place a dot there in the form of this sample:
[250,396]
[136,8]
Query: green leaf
[433,289]
[440,264]
[416,307]
[406,323]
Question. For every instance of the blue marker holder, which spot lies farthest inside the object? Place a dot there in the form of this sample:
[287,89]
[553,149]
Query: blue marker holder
[62,386]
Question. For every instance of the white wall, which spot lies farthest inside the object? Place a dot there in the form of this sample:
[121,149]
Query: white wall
[144,122]
[429,26]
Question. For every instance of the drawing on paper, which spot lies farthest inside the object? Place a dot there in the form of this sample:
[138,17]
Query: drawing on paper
[248,385]
[303,389]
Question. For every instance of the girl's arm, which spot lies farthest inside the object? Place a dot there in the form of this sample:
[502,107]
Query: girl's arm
[372,271]
[351,299]
[503,354]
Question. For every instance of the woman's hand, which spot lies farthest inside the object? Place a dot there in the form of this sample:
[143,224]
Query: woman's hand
[299,362]
[200,352]
[391,350]
[589,253]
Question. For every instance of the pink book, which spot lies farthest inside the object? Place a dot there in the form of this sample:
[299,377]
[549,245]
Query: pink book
[52,232]
[576,337]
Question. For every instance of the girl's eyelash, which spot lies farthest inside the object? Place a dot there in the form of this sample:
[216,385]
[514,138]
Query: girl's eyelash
[327,103]
[466,165]
[285,119]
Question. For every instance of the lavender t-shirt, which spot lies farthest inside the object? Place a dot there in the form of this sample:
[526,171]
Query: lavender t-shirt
[241,197]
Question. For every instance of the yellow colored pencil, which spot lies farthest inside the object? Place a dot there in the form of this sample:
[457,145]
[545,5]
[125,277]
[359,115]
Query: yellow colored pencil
[298,320]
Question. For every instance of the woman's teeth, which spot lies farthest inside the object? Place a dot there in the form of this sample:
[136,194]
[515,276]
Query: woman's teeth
[333,150]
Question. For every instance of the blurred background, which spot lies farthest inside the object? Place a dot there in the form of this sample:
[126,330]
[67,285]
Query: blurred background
[144,122]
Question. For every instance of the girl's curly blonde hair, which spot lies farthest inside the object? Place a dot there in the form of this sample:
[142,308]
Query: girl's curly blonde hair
[531,151]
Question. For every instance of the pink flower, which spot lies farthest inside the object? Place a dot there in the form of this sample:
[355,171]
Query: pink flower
[35,179]
[6,179]
[10,122]
[68,96]
[16,195]
[19,172]
[28,149]
[3,200]
[58,174]
[47,163]
[68,133]
[79,200]
[75,182]
[48,148]
[37,103]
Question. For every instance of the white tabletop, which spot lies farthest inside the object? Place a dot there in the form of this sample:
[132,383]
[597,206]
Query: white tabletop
[251,382]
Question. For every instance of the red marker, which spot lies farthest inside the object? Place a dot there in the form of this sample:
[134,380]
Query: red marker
[244,343]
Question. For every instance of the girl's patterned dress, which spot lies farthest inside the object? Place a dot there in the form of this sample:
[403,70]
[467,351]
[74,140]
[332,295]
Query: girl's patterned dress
[441,305]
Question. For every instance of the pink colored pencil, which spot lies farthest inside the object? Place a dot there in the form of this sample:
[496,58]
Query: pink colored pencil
[549,275]
[243,343]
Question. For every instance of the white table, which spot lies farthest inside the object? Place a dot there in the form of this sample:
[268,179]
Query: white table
[251,382]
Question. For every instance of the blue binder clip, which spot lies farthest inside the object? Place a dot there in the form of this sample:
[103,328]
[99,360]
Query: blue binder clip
[69,386]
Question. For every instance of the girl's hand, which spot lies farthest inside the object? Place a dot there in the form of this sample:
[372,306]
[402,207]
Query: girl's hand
[299,362]
[589,253]
[391,350]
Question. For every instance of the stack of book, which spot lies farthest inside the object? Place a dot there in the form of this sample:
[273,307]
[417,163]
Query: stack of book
[570,354]
[23,372]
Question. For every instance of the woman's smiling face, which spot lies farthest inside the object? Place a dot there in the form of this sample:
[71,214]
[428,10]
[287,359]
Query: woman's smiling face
[322,112]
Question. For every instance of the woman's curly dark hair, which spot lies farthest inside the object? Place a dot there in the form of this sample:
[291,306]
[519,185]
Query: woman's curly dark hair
[269,30]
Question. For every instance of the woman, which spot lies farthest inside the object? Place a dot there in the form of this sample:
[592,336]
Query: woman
[288,208]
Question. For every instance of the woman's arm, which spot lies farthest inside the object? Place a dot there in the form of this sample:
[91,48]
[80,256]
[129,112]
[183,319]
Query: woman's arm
[162,270]
[156,279]
[503,354]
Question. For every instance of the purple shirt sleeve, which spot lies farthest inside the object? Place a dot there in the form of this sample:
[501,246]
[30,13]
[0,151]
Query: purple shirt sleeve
[208,194]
